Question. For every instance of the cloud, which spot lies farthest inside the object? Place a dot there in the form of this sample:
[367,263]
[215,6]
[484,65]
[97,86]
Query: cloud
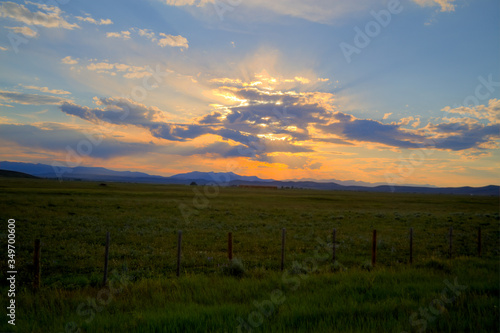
[90,19]
[450,135]
[47,90]
[26,31]
[162,40]
[121,111]
[367,130]
[48,17]
[466,136]
[323,11]
[491,112]
[69,61]
[127,71]
[446,5]
[30,99]
[148,33]
[387,115]
[60,138]
[261,120]
[292,161]
[217,149]
[3,48]
[198,3]
[174,41]
[265,80]
[100,66]
[123,35]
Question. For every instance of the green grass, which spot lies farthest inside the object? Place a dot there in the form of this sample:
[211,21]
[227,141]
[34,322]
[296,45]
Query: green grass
[72,218]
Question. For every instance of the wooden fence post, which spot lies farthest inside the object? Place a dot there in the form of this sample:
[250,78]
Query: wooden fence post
[479,242]
[179,247]
[283,234]
[374,248]
[451,243]
[106,259]
[411,246]
[36,266]
[334,241]
[230,246]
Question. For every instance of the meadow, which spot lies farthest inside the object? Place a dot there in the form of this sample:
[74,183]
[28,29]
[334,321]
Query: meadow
[434,294]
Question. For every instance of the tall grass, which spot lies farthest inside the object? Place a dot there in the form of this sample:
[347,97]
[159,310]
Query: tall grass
[72,219]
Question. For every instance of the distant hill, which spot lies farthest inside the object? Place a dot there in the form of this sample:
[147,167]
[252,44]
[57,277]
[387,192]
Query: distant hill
[82,173]
[229,179]
[15,174]
[218,177]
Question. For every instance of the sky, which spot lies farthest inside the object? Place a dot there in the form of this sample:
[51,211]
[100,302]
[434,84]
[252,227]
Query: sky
[395,92]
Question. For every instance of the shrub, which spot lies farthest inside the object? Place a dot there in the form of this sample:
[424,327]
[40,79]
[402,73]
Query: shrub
[367,265]
[298,269]
[436,264]
[235,268]
[337,267]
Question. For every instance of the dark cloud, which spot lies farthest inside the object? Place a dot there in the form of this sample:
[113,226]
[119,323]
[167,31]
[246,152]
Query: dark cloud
[222,149]
[373,131]
[30,99]
[115,111]
[271,122]
[334,140]
[126,112]
[63,139]
[255,96]
[465,136]
[211,119]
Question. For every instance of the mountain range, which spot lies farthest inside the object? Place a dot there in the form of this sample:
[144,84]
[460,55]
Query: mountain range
[229,179]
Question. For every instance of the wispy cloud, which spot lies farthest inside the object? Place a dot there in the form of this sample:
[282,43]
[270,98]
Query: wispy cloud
[123,34]
[445,5]
[174,41]
[26,31]
[57,138]
[30,99]
[3,48]
[69,61]
[188,2]
[162,39]
[490,112]
[324,11]
[127,71]
[47,90]
[47,16]
[148,33]
[90,19]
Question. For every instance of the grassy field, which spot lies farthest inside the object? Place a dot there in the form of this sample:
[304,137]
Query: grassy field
[435,294]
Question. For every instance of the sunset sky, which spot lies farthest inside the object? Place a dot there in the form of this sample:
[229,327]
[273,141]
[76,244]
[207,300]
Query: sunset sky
[370,90]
